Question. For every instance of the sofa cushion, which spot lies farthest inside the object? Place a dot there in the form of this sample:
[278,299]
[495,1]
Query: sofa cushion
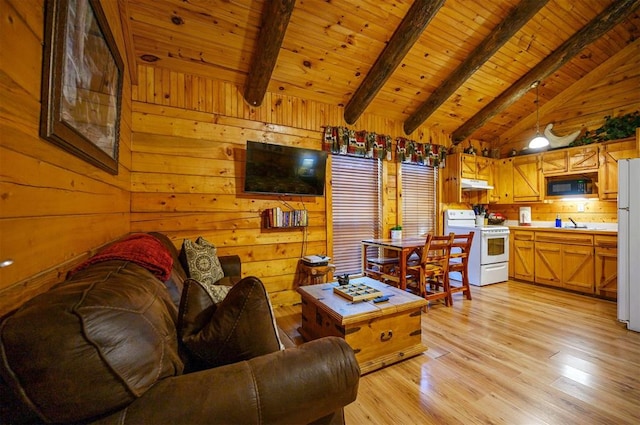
[241,327]
[92,344]
[203,264]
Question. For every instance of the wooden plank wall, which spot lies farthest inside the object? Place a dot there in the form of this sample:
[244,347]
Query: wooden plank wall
[181,154]
[188,143]
[594,211]
[54,207]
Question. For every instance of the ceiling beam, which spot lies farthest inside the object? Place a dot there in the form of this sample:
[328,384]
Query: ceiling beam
[606,20]
[628,55]
[274,25]
[407,33]
[519,16]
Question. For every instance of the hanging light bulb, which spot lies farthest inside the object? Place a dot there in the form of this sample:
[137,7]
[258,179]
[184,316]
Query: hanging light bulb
[539,141]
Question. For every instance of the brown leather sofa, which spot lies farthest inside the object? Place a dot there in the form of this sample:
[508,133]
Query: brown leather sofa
[105,346]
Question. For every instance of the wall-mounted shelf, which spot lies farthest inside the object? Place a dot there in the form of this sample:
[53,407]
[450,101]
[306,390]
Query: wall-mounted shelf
[277,218]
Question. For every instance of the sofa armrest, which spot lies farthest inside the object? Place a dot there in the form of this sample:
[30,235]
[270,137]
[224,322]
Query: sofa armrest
[231,265]
[298,385]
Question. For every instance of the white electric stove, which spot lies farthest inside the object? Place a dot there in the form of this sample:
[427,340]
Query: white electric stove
[489,256]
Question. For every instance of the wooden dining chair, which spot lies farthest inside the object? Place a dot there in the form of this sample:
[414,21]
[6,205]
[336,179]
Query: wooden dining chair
[459,262]
[432,272]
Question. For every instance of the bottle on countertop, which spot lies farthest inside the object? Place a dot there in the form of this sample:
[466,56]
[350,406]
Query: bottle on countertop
[558,221]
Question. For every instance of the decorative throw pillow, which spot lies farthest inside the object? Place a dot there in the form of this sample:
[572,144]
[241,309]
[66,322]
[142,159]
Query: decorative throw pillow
[204,266]
[241,327]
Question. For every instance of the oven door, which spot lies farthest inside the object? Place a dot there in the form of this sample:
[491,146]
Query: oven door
[494,248]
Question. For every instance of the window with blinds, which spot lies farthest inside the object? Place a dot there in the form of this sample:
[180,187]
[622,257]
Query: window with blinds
[418,199]
[356,209]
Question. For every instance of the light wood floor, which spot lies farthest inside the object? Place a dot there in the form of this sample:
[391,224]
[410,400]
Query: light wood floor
[515,354]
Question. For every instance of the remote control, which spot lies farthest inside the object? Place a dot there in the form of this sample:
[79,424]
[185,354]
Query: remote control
[381,299]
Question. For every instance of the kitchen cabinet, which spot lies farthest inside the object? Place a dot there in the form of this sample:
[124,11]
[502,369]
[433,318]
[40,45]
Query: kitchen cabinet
[554,163]
[511,254]
[610,153]
[523,255]
[451,174]
[580,159]
[548,263]
[606,266]
[578,268]
[528,180]
[466,166]
[583,159]
[475,167]
[565,260]
[502,192]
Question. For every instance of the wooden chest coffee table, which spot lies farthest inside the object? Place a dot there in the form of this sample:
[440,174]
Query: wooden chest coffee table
[380,333]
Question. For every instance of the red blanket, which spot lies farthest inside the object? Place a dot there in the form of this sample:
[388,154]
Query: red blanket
[142,249]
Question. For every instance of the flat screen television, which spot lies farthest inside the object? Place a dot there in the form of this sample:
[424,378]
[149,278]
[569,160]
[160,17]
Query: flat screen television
[284,170]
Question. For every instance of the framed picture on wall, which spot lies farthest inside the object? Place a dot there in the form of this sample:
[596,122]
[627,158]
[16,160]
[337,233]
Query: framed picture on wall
[81,82]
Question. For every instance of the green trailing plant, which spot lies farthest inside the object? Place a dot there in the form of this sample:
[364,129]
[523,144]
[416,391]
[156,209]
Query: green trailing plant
[612,129]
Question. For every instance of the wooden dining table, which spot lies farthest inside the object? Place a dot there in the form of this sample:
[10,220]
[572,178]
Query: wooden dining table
[401,249]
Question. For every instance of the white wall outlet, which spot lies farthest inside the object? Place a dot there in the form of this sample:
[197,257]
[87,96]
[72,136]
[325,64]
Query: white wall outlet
[580,207]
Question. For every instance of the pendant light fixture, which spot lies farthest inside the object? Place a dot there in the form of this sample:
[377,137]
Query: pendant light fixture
[539,141]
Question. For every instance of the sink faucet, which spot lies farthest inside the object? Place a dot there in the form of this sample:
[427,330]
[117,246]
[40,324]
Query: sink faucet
[576,225]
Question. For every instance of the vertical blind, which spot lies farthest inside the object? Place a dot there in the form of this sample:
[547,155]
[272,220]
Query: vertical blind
[356,209]
[418,199]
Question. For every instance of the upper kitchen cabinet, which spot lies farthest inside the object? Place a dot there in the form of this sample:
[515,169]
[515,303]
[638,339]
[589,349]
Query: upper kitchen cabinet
[580,159]
[464,166]
[475,167]
[451,175]
[502,192]
[610,153]
[528,180]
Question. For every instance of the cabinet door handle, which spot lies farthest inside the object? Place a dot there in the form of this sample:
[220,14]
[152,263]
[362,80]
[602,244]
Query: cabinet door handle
[386,336]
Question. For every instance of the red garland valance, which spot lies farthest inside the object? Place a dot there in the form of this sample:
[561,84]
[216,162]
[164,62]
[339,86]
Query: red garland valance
[343,141]
[428,154]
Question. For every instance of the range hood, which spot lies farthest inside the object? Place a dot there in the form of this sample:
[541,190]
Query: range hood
[473,184]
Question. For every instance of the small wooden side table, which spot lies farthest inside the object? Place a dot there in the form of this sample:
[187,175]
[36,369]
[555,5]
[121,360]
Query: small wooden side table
[313,275]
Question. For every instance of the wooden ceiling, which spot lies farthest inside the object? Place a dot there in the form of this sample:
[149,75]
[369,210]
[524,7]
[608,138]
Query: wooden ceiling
[462,66]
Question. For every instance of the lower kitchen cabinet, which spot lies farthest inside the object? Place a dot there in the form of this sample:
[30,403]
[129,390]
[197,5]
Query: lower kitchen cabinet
[606,266]
[548,263]
[582,261]
[523,255]
[565,261]
[577,268]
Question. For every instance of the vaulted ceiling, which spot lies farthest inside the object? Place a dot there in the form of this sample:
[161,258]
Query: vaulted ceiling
[465,67]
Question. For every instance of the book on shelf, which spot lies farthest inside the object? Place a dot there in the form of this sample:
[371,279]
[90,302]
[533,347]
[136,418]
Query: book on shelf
[276,217]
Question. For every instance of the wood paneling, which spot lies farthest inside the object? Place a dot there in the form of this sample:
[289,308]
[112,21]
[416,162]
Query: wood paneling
[54,207]
[188,151]
[330,47]
[610,90]
[594,211]
[184,124]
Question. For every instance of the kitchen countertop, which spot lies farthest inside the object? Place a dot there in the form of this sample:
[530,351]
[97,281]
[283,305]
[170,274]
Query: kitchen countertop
[599,228]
